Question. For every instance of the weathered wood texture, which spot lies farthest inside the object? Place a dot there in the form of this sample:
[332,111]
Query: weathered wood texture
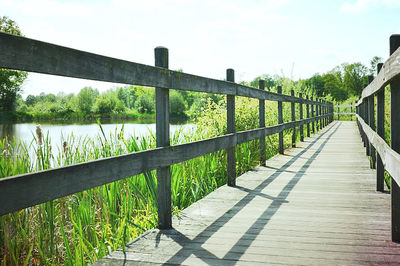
[22,191]
[395,138]
[162,138]
[26,54]
[389,71]
[301,209]
[230,128]
[390,158]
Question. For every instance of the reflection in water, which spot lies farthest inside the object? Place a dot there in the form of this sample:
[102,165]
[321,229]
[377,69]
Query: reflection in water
[7,130]
[57,133]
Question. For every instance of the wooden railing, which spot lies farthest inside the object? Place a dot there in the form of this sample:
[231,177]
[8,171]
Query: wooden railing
[382,156]
[27,190]
[349,110]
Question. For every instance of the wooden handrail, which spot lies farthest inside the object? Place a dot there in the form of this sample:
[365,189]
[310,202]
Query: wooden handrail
[382,156]
[22,191]
[390,158]
[26,54]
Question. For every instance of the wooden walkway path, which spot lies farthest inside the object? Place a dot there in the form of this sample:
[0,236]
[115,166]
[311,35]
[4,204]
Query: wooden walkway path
[314,205]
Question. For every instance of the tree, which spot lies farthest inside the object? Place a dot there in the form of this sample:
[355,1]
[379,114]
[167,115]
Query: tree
[30,100]
[177,104]
[315,85]
[354,78]
[10,80]
[86,98]
[334,85]
[374,63]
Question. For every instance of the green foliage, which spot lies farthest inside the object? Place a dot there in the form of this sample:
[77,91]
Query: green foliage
[86,98]
[105,104]
[355,78]
[177,105]
[10,80]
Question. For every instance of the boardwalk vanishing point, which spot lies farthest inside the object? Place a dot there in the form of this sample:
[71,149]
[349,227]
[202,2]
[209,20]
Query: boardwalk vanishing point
[316,204]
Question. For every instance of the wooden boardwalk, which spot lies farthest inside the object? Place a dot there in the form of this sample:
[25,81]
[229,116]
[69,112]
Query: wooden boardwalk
[314,205]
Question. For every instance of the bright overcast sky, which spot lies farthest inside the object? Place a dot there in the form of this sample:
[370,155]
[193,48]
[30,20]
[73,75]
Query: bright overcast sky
[296,38]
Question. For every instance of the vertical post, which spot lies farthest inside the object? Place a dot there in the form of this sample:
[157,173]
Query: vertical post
[280,121]
[293,119]
[261,115]
[230,117]
[312,115]
[351,111]
[338,113]
[366,119]
[301,118]
[162,139]
[371,123]
[308,116]
[319,114]
[380,122]
[395,141]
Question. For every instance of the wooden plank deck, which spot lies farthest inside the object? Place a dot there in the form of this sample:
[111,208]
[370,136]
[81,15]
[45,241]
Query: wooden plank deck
[314,205]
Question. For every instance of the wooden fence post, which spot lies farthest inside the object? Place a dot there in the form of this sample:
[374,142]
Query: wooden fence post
[351,111]
[230,118]
[162,139]
[380,129]
[365,117]
[293,111]
[308,116]
[338,112]
[261,115]
[319,114]
[312,115]
[371,123]
[280,121]
[301,118]
[395,141]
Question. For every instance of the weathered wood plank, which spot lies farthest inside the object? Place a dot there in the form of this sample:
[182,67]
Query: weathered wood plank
[390,158]
[380,123]
[299,210]
[395,140]
[27,190]
[390,71]
[280,121]
[162,139]
[261,124]
[230,129]
[26,54]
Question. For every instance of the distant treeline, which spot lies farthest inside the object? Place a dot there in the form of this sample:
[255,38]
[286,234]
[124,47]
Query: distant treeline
[124,102]
[339,84]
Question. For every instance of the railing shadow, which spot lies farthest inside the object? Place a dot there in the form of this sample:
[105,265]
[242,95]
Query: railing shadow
[254,230]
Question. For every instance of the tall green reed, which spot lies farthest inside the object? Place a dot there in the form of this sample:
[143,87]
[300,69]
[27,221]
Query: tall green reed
[81,228]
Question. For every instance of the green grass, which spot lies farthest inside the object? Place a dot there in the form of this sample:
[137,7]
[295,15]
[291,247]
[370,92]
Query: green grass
[82,228]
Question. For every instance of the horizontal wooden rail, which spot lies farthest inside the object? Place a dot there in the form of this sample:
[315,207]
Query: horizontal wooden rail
[43,186]
[390,158]
[26,54]
[381,156]
[390,70]
[345,106]
[20,53]
[343,113]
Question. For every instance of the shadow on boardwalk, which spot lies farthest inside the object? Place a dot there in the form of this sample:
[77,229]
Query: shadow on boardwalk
[315,205]
[247,238]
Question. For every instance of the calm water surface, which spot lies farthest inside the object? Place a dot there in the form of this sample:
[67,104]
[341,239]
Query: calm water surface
[59,132]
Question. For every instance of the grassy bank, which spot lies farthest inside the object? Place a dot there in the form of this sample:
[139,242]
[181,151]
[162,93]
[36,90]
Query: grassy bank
[81,228]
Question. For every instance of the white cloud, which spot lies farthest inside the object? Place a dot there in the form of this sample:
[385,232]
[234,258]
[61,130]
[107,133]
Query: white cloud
[360,6]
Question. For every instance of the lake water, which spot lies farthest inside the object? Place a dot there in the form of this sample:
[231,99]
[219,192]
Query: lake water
[58,132]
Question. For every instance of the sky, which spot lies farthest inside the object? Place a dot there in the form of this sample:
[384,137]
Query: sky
[294,38]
